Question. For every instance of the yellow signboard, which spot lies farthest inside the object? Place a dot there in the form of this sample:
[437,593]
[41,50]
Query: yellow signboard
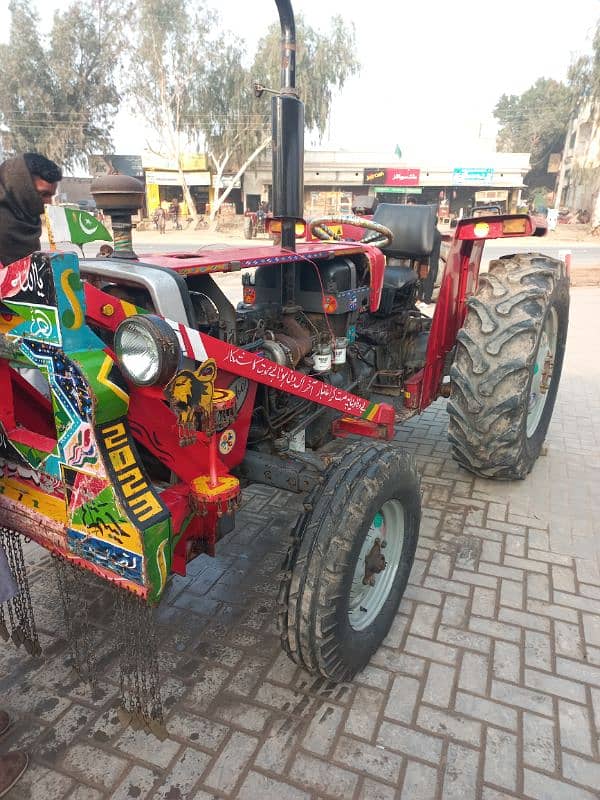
[152,197]
[189,161]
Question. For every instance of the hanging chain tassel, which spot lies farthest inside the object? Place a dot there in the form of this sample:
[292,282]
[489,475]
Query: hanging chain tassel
[141,704]
[73,595]
[19,608]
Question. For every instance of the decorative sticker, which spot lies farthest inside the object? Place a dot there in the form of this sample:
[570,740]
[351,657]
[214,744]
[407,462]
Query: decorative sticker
[227,441]
[190,395]
[139,499]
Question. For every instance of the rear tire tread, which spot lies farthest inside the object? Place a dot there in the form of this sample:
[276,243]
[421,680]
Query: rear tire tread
[495,354]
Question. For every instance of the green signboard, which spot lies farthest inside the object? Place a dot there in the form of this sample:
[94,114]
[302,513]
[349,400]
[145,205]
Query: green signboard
[399,190]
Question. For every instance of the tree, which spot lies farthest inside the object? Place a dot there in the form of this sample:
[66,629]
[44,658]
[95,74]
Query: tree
[236,125]
[324,62]
[25,83]
[228,118]
[61,99]
[535,122]
[584,76]
[168,60]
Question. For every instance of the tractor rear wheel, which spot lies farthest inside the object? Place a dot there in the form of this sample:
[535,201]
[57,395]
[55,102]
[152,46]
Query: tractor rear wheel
[348,566]
[249,231]
[509,357]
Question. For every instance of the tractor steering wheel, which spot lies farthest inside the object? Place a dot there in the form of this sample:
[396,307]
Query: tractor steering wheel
[380,236]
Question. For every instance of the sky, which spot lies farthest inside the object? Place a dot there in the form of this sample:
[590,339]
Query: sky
[432,70]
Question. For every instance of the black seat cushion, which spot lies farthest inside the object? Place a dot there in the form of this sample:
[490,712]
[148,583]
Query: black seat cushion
[395,277]
[413,228]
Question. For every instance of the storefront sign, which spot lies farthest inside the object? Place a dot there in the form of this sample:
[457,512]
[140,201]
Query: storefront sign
[465,176]
[192,162]
[399,190]
[491,195]
[374,177]
[225,182]
[402,177]
[167,178]
[384,176]
[554,160]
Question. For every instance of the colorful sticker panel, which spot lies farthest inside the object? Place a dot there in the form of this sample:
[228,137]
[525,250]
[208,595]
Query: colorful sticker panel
[106,555]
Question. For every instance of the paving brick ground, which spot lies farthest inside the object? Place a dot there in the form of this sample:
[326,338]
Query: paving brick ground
[488,685]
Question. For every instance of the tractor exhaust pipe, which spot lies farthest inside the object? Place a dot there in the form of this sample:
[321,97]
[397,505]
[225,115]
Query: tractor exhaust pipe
[288,44]
[288,135]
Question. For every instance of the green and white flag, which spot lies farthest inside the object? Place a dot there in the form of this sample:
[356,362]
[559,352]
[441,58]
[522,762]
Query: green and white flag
[73,225]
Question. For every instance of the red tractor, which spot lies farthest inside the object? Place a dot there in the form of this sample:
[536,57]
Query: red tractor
[164,398]
[256,222]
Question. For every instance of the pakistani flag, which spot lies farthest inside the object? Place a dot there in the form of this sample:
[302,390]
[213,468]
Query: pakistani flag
[73,225]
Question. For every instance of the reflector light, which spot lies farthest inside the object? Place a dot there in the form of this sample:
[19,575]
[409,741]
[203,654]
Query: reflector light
[496,228]
[249,295]
[514,226]
[274,226]
[329,304]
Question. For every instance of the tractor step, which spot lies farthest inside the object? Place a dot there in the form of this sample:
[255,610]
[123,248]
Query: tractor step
[351,426]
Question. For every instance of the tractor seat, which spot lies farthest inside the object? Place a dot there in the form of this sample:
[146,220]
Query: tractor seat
[395,277]
[413,228]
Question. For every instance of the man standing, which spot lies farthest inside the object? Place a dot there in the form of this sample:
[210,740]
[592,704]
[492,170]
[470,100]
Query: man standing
[160,219]
[27,182]
[175,213]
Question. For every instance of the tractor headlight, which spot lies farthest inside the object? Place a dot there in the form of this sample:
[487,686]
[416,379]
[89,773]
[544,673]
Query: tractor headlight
[148,350]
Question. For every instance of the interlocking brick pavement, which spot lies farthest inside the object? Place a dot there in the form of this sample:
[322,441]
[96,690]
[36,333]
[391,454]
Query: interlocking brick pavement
[488,685]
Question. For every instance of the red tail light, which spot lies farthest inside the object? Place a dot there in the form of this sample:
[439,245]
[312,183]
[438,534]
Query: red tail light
[249,295]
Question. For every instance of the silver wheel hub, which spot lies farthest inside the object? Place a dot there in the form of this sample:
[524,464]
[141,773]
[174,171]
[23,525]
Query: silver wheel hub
[377,565]
[542,372]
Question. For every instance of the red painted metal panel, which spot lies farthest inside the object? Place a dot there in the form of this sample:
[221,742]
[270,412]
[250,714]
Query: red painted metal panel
[234,259]
[460,281]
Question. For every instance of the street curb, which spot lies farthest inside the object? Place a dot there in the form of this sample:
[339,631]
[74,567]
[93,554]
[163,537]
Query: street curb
[585,276]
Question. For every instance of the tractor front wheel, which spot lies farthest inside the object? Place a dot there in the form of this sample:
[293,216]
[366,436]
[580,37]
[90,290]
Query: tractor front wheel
[506,371]
[349,563]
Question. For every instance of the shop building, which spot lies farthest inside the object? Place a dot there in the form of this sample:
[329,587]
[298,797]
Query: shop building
[579,175]
[332,179]
[163,181]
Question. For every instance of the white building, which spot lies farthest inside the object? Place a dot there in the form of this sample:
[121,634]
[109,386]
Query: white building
[579,177]
[332,178]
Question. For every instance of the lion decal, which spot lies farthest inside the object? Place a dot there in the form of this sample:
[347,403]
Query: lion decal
[190,396]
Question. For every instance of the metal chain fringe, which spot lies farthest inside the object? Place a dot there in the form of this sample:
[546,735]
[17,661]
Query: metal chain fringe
[19,608]
[139,677]
[72,590]
[141,704]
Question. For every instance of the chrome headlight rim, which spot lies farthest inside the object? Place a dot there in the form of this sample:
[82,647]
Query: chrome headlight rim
[162,338]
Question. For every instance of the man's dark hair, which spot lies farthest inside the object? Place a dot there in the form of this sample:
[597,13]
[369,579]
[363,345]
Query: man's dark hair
[42,167]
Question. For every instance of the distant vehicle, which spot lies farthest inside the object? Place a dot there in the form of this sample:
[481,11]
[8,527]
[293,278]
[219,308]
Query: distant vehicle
[485,211]
[256,222]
